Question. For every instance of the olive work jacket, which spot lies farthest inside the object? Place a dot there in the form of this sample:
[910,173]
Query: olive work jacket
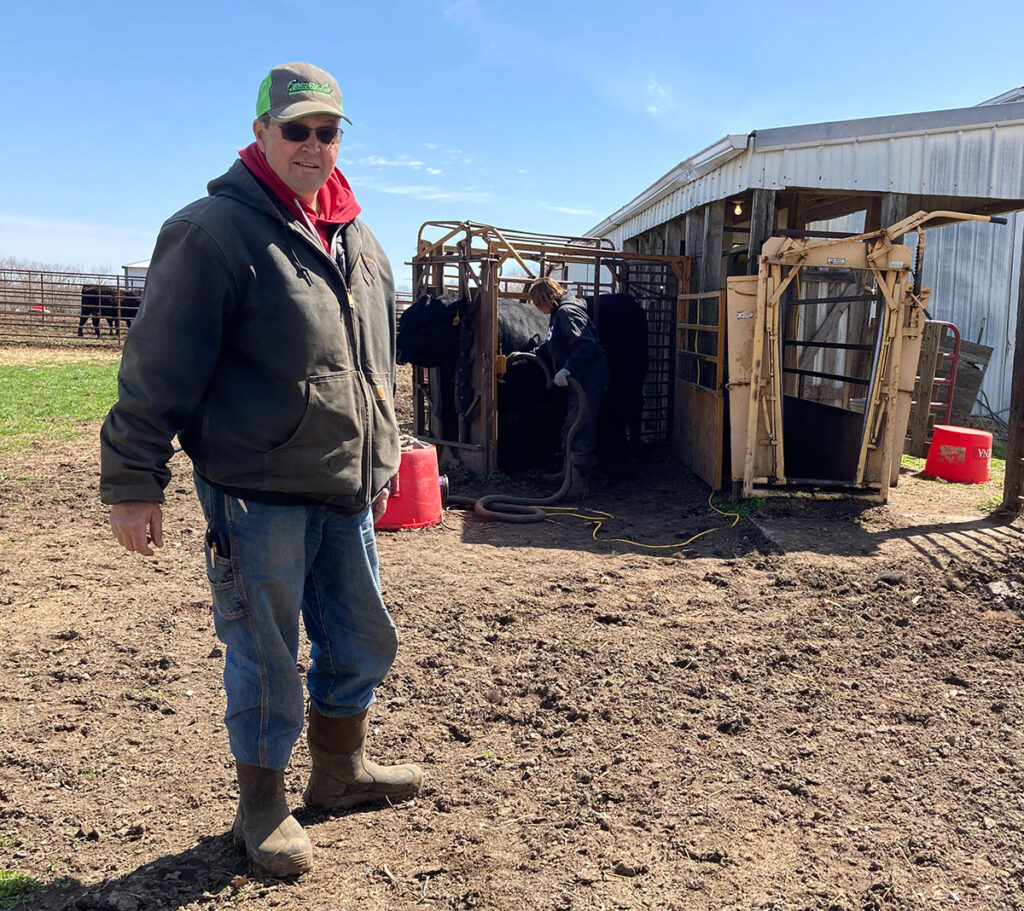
[272,361]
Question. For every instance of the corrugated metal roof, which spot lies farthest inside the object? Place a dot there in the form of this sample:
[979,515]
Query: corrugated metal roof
[972,118]
[1016,94]
[967,152]
[970,153]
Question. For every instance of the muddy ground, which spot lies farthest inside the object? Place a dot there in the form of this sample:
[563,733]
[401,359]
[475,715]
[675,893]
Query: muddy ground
[816,708]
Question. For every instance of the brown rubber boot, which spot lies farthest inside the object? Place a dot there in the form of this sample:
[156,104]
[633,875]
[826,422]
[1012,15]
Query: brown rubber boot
[273,839]
[342,776]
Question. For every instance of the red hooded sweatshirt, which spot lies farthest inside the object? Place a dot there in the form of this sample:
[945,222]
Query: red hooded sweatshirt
[338,204]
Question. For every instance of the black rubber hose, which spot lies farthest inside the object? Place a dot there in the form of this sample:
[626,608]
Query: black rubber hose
[523,510]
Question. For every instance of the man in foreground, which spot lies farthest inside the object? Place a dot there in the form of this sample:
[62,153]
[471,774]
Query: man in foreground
[265,342]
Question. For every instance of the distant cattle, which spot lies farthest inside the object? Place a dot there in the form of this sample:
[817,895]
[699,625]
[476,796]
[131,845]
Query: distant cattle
[433,333]
[108,302]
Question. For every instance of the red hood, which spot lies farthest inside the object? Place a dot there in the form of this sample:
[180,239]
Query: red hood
[337,201]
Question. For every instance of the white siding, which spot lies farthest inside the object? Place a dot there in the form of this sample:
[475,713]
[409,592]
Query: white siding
[973,270]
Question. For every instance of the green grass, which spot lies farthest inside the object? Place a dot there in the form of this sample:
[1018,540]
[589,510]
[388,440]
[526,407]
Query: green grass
[913,463]
[997,474]
[740,507]
[16,888]
[52,401]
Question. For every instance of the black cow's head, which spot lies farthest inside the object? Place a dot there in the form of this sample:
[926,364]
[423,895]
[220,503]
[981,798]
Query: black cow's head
[428,331]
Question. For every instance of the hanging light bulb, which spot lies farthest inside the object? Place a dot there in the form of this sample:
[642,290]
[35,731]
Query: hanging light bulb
[738,208]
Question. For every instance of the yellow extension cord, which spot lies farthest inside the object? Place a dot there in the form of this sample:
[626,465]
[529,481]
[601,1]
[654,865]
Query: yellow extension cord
[601,517]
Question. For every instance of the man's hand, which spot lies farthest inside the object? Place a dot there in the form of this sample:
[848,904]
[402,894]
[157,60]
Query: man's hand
[137,525]
[562,377]
[380,503]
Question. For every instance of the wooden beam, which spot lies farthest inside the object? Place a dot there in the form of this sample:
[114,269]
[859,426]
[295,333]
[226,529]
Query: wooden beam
[894,209]
[674,237]
[762,223]
[695,246]
[1013,485]
[797,215]
[711,263]
[873,215]
[823,207]
[673,246]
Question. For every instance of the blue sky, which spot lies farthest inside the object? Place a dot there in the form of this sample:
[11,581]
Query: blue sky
[540,116]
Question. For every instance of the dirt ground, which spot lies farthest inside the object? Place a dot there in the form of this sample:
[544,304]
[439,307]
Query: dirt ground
[817,708]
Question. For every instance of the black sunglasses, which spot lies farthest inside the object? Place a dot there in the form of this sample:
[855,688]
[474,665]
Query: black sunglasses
[299,132]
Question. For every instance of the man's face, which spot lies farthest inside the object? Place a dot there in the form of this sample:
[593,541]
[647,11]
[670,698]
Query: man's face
[303,166]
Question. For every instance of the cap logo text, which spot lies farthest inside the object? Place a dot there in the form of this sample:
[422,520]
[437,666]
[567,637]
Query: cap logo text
[295,87]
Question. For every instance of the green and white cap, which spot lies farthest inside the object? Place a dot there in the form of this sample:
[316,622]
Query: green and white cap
[294,90]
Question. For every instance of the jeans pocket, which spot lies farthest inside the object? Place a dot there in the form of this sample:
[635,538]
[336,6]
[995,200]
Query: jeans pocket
[227,599]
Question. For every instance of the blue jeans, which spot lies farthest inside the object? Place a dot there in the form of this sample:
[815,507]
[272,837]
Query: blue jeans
[282,561]
[583,454]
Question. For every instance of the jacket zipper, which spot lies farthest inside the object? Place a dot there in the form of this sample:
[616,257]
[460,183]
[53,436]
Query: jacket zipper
[351,332]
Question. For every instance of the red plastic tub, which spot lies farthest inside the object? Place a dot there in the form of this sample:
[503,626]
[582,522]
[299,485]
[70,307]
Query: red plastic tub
[415,499]
[960,454]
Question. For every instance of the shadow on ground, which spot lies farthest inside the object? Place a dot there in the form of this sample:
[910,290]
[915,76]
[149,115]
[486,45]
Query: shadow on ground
[172,881]
[661,509]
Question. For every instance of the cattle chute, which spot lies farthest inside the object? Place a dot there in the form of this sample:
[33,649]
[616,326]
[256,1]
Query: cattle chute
[823,344]
[482,265]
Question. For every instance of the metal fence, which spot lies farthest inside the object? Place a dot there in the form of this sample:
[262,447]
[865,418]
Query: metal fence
[49,306]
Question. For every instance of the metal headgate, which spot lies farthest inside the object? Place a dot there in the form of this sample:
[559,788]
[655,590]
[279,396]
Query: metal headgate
[823,349]
[482,263]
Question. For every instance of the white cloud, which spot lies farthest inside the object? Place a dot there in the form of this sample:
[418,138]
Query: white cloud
[656,88]
[658,97]
[402,161]
[462,11]
[567,210]
[429,192]
[434,171]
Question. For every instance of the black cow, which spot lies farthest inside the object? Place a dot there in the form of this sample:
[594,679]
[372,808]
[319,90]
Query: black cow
[110,302]
[622,327]
[429,336]
[436,332]
[433,333]
[428,333]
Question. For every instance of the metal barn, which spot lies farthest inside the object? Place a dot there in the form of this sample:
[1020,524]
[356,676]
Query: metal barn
[720,206]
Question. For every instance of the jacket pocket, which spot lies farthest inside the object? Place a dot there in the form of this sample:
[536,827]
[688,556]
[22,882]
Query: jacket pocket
[386,449]
[325,453]
[227,600]
[370,268]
